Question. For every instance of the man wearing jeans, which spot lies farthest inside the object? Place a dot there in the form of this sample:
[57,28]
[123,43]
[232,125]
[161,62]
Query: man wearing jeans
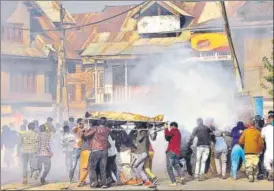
[98,144]
[173,152]
[78,132]
[204,137]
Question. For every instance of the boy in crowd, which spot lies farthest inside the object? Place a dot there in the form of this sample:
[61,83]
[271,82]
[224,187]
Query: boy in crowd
[173,152]
[253,146]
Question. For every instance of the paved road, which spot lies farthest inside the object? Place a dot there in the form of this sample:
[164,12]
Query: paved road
[211,184]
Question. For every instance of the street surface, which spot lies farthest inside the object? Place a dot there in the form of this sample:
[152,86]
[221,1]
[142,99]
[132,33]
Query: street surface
[211,184]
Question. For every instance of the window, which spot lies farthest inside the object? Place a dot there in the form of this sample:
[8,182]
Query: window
[71,92]
[83,92]
[47,83]
[101,79]
[24,82]
[71,67]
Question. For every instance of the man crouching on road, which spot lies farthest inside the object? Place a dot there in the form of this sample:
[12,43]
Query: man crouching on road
[173,152]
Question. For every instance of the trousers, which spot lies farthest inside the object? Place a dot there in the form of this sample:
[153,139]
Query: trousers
[202,154]
[32,160]
[138,166]
[252,161]
[75,157]
[148,165]
[46,162]
[220,162]
[84,159]
[98,158]
[173,161]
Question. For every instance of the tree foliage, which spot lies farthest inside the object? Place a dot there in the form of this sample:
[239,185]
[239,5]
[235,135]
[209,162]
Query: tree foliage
[269,77]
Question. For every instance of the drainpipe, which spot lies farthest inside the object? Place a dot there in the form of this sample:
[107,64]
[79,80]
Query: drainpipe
[126,85]
[95,82]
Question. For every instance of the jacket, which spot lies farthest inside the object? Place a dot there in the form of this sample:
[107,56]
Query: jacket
[252,141]
[220,144]
[237,132]
[141,142]
[97,138]
[204,136]
[174,144]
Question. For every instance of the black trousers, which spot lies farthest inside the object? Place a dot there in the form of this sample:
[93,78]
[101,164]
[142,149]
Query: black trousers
[98,157]
[111,166]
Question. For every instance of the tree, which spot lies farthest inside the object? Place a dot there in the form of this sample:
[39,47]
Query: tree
[269,77]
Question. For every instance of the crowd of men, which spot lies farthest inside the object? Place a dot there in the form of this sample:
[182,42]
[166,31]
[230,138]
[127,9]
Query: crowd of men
[102,151]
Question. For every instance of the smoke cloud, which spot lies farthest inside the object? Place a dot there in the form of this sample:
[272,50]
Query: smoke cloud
[182,90]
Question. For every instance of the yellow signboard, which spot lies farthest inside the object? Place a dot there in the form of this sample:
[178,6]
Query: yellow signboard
[209,41]
[6,109]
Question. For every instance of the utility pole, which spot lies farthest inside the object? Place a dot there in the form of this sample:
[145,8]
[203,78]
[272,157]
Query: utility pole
[235,61]
[61,71]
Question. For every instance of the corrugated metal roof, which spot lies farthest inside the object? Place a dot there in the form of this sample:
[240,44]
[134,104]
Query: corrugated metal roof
[18,49]
[52,10]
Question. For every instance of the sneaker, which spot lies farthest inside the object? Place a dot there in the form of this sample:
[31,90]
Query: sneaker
[93,185]
[173,184]
[104,187]
[80,184]
[155,180]
[202,178]
[138,182]
[270,176]
[223,177]
[251,178]
[43,181]
[36,175]
[149,184]
[182,181]
[25,181]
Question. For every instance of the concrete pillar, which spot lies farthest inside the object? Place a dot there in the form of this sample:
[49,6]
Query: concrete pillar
[5,83]
[40,84]
[78,92]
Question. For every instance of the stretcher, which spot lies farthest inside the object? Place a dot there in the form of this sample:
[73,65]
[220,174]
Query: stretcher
[123,116]
[126,119]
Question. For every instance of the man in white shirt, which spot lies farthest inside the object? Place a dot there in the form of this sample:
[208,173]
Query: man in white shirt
[267,134]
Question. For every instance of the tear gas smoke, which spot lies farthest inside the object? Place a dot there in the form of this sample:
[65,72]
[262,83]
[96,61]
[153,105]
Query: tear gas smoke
[182,90]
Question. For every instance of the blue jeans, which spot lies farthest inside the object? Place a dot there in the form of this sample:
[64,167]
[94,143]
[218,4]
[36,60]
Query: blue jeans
[173,161]
[75,158]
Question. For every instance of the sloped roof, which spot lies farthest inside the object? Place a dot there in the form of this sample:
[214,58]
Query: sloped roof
[238,13]
[80,39]
[18,49]
[52,10]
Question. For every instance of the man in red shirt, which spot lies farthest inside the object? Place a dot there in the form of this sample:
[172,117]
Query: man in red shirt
[173,152]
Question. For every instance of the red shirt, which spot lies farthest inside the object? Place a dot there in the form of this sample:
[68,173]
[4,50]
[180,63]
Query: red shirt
[175,142]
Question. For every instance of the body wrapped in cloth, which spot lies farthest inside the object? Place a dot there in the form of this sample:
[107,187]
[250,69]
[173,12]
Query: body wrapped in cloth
[123,116]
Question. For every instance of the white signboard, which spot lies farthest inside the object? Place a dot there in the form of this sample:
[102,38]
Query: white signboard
[156,24]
